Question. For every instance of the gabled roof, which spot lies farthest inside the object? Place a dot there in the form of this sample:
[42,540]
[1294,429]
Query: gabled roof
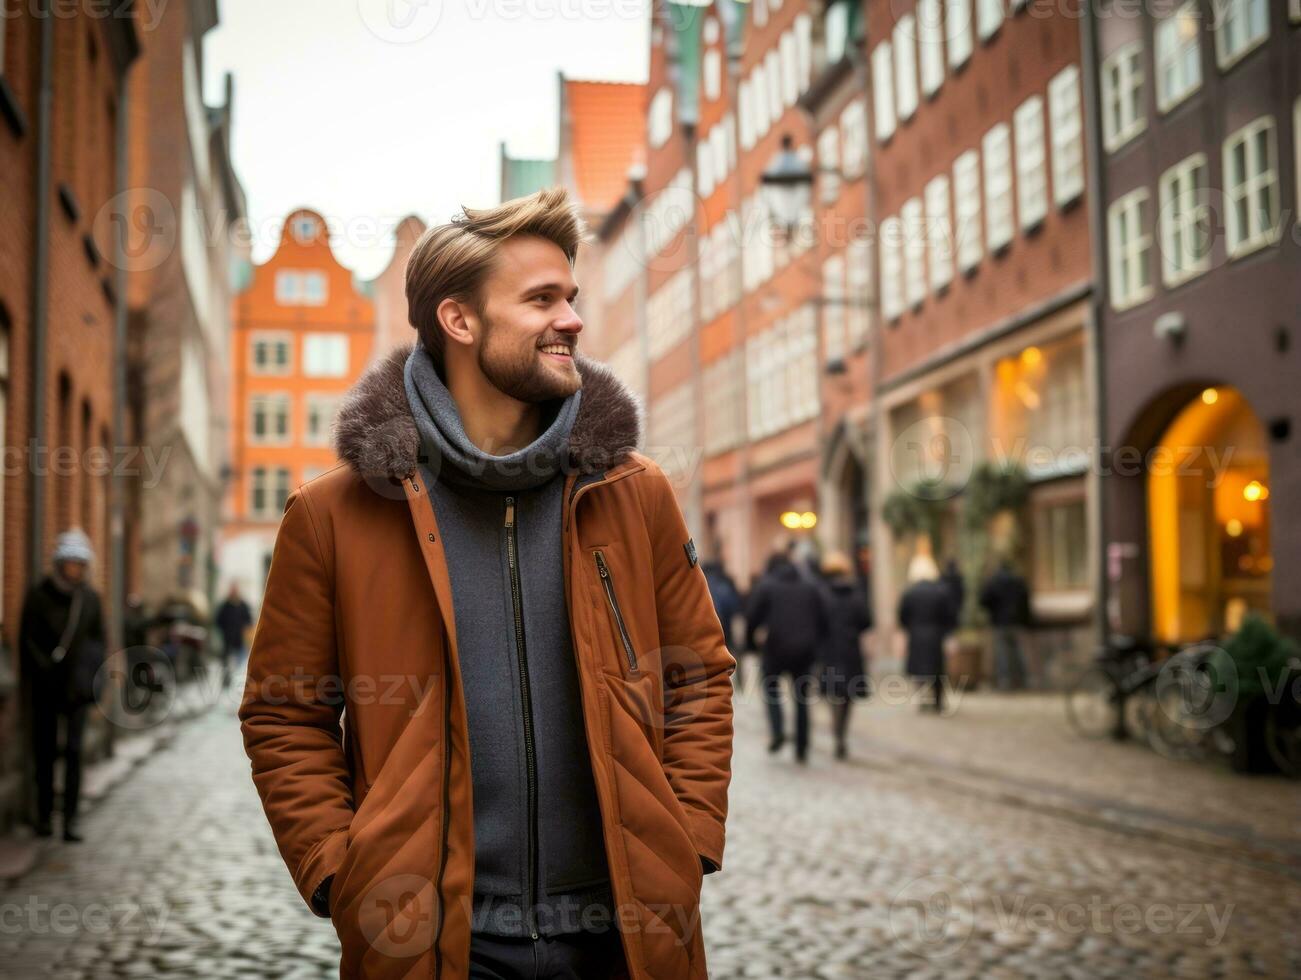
[606,131]
[521,176]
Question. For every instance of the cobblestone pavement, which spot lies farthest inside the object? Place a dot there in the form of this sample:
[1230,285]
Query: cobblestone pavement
[833,870]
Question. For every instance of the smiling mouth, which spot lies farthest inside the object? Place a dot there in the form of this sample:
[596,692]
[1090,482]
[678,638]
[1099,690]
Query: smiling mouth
[558,350]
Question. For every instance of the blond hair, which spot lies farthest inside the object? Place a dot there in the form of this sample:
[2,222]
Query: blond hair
[454,259]
[922,568]
[836,563]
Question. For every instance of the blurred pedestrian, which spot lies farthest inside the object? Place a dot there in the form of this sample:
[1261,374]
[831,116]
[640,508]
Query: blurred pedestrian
[1006,598]
[953,581]
[61,643]
[844,673]
[727,605]
[233,620]
[927,613]
[792,610]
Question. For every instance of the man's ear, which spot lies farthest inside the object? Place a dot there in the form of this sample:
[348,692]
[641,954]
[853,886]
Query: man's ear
[457,321]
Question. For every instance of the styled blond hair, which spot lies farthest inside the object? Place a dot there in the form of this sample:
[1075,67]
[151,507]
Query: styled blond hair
[836,563]
[922,568]
[453,259]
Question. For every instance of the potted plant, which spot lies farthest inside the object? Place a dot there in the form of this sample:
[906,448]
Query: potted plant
[1250,667]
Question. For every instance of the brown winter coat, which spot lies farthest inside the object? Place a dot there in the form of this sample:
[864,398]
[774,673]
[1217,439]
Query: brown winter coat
[356,620]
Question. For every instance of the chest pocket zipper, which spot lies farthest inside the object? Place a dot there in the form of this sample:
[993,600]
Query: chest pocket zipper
[607,581]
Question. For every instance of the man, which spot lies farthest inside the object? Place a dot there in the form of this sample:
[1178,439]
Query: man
[503,597]
[61,617]
[233,619]
[1006,599]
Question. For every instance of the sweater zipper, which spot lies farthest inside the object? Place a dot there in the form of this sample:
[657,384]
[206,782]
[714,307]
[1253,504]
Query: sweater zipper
[521,658]
[608,581]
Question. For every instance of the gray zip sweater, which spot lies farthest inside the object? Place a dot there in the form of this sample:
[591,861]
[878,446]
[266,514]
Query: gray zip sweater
[537,822]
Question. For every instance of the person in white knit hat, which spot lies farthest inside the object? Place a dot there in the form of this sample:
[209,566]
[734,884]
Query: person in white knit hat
[62,625]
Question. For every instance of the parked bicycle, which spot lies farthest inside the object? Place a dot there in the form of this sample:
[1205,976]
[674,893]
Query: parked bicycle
[1109,697]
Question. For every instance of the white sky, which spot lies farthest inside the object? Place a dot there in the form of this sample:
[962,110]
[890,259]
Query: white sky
[368,110]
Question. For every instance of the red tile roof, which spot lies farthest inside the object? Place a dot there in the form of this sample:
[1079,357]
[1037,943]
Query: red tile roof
[607,136]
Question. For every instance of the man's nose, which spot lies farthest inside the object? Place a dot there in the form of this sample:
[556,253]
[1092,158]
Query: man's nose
[569,320]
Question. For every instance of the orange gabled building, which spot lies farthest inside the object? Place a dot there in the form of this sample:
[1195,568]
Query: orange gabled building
[303,334]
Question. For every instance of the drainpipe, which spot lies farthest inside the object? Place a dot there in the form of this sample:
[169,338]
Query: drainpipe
[1095,189]
[117,484]
[40,296]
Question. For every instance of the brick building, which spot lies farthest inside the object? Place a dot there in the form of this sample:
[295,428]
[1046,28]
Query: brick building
[303,333]
[61,309]
[388,291]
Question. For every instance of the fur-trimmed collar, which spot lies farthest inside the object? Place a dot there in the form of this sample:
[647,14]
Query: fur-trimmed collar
[375,434]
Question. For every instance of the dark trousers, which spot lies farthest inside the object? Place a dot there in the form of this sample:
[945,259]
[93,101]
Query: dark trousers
[46,710]
[573,956]
[840,720]
[803,682]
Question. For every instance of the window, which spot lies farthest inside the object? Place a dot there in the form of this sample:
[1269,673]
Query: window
[660,117]
[829,165]
[914,251]
[1122,96]
[989,17]
[790,69]
[759,99]
[1067,135]
[268,491]
[930,43]
[833,309]
[1178,56]
[301,288]
[804,48]
[1243,25]
[269,419]
[269,353]
[997,150]
[853,129]
[891,268]
[1031,166]
[1061,546]
[325,355]
[1251,187]
[883,87]
[957,30]
[746,117]
[704,168]
[858,283]
[321,409]
[966,209]
[781,373]
[1185,221]
[304,228]
[775,105]
[713,73]
[939,232]
[905,66]
[1130,244]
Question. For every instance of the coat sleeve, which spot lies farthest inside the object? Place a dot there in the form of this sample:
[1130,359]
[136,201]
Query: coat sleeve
[697,677]
[290,712]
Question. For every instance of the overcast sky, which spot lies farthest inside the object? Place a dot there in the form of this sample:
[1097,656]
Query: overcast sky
[368,110]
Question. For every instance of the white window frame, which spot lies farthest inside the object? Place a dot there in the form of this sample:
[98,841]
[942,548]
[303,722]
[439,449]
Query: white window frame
[775,104]
[853,140]
[1129,256]
[1225,11]
[1173,51]
[659,117]
[930,45]
[905,66]
[278,398]
[883,91]
[858,291]
[1119,128]
[967,193]
[713,72]
[790,67]
[282,337]
[1067,124]
[957,31]
[835,339]
[989,18]
[829,165]
[278,484]
[1031,162]
[913,218]
[330,343]
[891,248]
[996,157]
[939,232]
[1238,241]
[1182,209]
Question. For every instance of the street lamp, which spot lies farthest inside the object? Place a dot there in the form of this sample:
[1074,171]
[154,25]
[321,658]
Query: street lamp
[787,187]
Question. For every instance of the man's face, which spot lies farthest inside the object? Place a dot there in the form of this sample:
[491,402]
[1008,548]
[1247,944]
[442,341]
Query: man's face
[73,571]
[530,329]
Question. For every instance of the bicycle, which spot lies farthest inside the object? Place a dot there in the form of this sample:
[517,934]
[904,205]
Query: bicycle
[1101,699]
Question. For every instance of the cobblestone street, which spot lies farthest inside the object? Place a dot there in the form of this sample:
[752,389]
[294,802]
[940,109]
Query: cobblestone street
[857,869]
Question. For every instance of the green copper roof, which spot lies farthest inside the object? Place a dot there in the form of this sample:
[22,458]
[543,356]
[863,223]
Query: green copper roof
[685,21]
[523,177]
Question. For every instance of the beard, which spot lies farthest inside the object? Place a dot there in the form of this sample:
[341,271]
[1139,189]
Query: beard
[517,368]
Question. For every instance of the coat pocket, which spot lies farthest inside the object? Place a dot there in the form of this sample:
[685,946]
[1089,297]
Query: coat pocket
[612,600]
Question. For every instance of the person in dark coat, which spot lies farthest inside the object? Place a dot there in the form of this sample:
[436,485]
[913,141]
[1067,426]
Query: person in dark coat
[927,613]
[792,609]
[953,581]
[1006,598]
[844,674]
[61,618]
[232,620]
[727,605]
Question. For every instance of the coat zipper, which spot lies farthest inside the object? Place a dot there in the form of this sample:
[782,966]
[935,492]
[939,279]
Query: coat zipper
[447,803]
[608,581]
[527,702]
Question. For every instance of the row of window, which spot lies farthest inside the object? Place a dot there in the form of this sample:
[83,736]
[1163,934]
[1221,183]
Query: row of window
[842,151]
[846,295]
[1186,224]
[915,53]
[302,287]
[269,488]
[775,83]
[269,416]
[325,355]
[1241,26]
[920,245]
[781,374]
[669,315]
